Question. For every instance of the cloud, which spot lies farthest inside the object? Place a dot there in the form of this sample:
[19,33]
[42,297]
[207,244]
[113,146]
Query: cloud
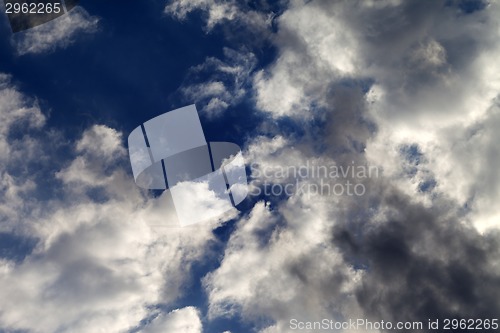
[105,253]
[297,273]
[196,202]
[58,33]
[436,93]
[99,147]
[218,84]
[222,12]
[428,76]
[184,320]
[411,89]
[422,262]
[311,54]
[216,11]
[16,111]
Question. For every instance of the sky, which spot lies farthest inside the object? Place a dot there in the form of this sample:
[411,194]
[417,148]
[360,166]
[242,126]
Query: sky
[370,135]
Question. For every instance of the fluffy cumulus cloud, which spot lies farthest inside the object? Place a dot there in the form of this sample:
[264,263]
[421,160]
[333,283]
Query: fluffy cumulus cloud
[16,110]
[412,89]
[58,33]
[103,253]
[297,272]
[312,54]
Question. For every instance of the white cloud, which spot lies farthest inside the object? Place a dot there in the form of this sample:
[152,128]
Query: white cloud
[283,272]
[16,107]
[185,320]
[312,54]
[58,33]
[227,82]
[98,265]
[196,202]
[218,84]
[16,111]
[103,141]
[280,262]
[219,12]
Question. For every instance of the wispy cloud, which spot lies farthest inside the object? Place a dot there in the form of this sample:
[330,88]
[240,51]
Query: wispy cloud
[217,84]
[58,33]
[185,320]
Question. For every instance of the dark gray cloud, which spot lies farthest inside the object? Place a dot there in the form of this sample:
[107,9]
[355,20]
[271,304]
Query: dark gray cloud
[421,262]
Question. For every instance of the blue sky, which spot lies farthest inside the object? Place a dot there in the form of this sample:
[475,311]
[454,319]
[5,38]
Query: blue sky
[407,87]
[126,73]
